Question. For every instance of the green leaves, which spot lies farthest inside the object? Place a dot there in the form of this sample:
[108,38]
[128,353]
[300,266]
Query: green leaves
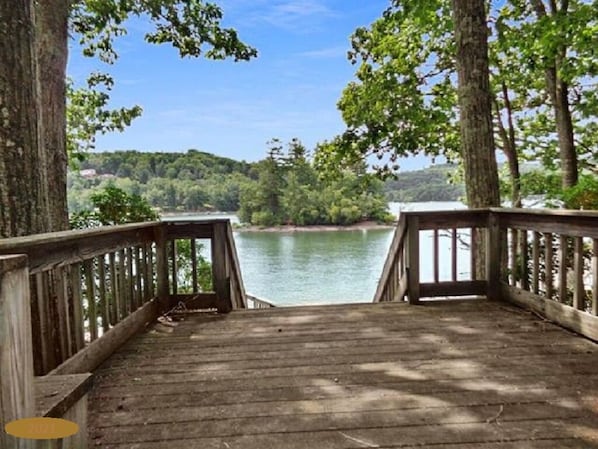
[584,195]
[185,270]
[403,101]
[113,206]
[193,27]
[192,181]
[88,115]
[289,191]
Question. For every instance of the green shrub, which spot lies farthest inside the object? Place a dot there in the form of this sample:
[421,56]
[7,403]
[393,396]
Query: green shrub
[584,195]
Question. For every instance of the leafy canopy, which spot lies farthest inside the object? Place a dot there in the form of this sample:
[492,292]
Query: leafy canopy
[403,99]
[192,27]
[88,114]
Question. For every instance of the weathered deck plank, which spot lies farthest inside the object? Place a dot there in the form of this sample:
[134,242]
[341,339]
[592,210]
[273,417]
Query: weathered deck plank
[450,375]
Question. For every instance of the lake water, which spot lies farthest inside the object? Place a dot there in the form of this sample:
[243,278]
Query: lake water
[325,267]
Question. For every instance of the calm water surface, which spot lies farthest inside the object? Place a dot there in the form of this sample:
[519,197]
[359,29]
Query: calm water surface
[325,267]
[312,267]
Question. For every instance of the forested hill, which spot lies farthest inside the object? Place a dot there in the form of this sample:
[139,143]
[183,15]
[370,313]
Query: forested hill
[143,166]
[190,181]
[429,184]
[197,180]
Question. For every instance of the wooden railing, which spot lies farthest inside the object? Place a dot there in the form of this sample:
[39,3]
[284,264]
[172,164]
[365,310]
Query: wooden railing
[401,275]
[545,260]
[253,302]
[17,396]
[549,263]
[228,291]
[91,290]
[392,285]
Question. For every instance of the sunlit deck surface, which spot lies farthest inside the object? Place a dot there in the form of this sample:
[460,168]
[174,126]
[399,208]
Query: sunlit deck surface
[468,374]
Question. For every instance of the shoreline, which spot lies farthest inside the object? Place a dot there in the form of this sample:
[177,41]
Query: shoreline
[363,226]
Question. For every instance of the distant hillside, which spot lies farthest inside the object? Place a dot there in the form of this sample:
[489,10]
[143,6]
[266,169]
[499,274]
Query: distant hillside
[200,181]
[429,184]
[176,182]
[143,166]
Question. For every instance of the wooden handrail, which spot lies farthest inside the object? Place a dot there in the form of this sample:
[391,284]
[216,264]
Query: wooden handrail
[569,213]
[386,288]
[253,302]
[573,223]
[523,249]
[401,272]
[92,289]
[54,250]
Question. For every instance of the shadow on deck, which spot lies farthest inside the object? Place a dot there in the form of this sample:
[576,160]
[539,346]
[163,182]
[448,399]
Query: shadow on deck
[467,374]
[444,374]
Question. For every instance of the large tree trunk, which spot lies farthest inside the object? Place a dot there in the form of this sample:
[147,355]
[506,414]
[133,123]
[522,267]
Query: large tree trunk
[475,104]
[33,53]
[558,92]
[23,196]
[52,53]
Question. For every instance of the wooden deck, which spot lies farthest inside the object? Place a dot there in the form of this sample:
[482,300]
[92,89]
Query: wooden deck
[449,375]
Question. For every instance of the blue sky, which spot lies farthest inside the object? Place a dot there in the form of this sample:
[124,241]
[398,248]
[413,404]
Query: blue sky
[233,109]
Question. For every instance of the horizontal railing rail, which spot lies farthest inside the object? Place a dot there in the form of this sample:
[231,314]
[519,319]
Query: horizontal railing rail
[91,290]
[545,260]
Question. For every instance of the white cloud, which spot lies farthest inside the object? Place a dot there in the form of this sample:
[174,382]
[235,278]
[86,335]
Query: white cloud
[264,116]
[294,15]
[297,14]
[300,8]
[339,51]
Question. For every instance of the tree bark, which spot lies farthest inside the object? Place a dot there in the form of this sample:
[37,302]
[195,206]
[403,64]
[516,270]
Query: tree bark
[23,196]
[475,103]
[33,162]
[52,53]
[475,106]
[509,146]
[558,91]
[564,125]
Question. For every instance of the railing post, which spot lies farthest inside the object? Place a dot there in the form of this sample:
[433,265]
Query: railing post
[493,256]
[162,268]
[220,276]
[16,351]
[412,262]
